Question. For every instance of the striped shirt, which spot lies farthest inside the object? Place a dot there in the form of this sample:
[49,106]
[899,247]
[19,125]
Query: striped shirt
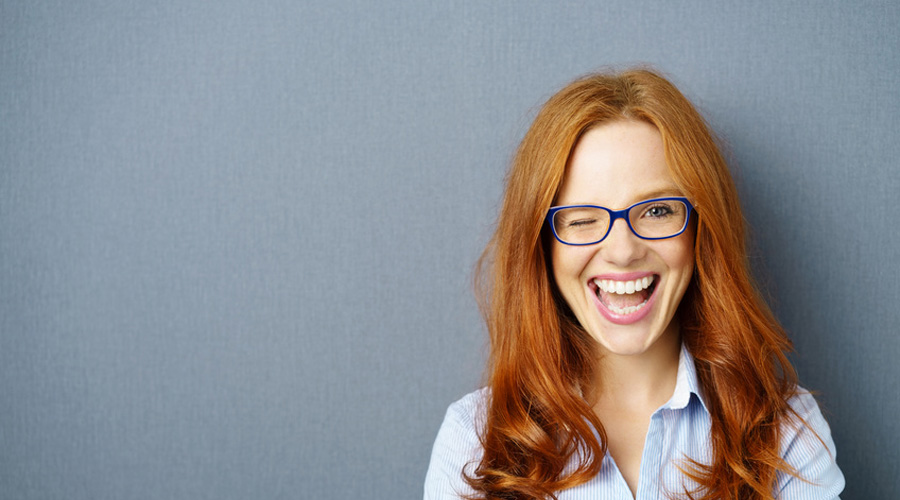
[678,429]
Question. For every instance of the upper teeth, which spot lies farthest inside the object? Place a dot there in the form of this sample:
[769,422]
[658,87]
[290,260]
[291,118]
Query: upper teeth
[623,287]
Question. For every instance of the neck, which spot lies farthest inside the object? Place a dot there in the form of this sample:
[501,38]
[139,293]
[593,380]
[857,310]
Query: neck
[645,380]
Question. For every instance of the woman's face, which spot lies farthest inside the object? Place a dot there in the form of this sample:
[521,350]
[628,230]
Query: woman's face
[616,165]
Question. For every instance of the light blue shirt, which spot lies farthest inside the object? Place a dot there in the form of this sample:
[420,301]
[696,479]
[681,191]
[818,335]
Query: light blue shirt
[678,429]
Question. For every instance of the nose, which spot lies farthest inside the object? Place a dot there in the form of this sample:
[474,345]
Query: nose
[621,246]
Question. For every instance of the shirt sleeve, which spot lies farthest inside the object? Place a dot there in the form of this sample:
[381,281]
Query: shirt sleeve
[808,448]
[457,448]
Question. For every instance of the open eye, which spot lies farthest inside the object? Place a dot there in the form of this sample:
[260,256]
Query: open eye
[659,218]
[658,210]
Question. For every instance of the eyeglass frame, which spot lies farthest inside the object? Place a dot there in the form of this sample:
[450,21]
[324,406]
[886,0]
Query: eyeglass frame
[620,214]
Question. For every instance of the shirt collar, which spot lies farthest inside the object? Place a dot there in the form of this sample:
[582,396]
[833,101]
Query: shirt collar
[686,383]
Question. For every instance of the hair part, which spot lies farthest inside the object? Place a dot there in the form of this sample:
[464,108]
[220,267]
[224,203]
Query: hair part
[541,359]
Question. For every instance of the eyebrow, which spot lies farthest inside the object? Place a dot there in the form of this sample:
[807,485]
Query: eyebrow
[660,193]
[667,192]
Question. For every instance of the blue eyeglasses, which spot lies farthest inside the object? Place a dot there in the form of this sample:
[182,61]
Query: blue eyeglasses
[655,219]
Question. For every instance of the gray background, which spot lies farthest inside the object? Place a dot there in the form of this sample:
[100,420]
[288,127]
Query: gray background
[236,237]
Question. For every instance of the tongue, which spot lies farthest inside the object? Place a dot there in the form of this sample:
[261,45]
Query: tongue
[624,300]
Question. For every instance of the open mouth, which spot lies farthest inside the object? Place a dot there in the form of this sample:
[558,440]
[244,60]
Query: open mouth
[625,298]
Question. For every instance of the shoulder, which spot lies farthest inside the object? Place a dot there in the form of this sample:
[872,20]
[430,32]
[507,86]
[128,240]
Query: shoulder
[807,446]
[471,408]
[457,447]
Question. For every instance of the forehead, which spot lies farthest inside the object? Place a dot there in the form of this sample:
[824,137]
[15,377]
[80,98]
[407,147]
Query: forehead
[616,164]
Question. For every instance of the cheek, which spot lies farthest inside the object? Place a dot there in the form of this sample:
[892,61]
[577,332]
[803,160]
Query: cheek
[685,259]
[568,263]
[559,262]
[680,259]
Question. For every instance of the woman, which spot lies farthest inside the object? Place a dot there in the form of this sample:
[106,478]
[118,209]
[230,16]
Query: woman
[631,355]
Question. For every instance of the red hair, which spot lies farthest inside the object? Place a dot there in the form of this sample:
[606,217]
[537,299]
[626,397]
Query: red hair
[541,358]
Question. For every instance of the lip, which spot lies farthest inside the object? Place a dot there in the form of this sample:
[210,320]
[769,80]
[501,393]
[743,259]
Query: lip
[622,319]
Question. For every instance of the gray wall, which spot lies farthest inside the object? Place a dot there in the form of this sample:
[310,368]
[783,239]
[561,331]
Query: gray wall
[236,237]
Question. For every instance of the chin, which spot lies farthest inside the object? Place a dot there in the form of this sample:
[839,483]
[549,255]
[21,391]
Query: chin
[631,340]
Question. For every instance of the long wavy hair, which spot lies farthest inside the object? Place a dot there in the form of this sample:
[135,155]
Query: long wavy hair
[541,361]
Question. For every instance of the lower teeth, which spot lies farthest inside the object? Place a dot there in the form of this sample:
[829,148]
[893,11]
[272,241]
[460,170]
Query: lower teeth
[626,310]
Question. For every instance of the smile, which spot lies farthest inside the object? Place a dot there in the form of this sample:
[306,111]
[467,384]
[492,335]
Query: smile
[621,301]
